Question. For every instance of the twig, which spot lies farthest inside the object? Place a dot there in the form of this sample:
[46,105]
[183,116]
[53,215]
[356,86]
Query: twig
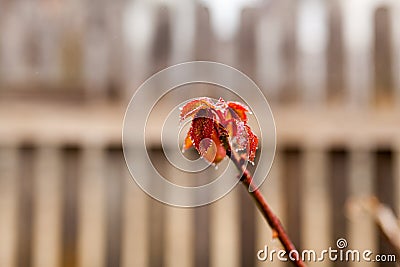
[383,216]
[269,215]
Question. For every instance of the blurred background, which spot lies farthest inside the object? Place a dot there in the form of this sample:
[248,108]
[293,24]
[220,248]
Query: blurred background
[330,70]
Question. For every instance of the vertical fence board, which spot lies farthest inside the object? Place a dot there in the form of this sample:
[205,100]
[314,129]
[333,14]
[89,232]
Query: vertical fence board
[183,30]
[161,47]
[335,54]
[247,228]
[71,59]
[274,193]
[48,72]
[179,237]
[25,206]
[137,44]
[204,38]
[48,196]
[293,176]
[161,44]
[202,238]
[383,57]
[115,180]
[204,41]
[96,52]
[135,223]
[361,226]
[224,229]
[12,46]
[202,230]
[8,205]
[311,51]
[338,171]
[269,34]
[156,234]
[395,26]
[156,216]
[358,44]
[316,210]
[247,52]
[225,52]
[384,188]
[70,206]
[179,228]
[288,51]
[91,230]
[397,180]
[114,12]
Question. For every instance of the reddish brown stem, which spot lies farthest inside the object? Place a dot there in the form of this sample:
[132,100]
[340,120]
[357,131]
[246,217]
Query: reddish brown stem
[266,211]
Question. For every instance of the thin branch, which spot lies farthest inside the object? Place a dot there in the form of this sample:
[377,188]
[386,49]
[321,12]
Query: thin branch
[383,216]
[269,215]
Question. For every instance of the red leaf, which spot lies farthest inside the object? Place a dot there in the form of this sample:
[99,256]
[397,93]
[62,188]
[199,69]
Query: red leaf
[239,109]
[252,143]
[192,107]
[210,138]
[188,142]
[239,134]
[201,129]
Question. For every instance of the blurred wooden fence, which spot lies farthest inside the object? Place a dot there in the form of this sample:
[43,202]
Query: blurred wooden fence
[67,69]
